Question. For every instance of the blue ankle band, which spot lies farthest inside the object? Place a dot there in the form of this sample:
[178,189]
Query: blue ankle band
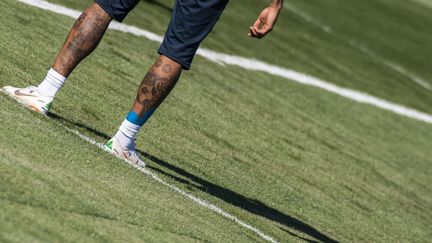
[135,119]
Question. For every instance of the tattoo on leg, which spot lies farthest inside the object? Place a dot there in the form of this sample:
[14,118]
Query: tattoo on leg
[74,48]
[80,20]
[83,38]
[153,89]
[166,68]
[158,63]
[147,104]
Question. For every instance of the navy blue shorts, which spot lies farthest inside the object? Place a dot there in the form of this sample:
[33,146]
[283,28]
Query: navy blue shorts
[191,22]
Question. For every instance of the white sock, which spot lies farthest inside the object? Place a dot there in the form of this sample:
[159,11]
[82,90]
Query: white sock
[127,133]
[51,84]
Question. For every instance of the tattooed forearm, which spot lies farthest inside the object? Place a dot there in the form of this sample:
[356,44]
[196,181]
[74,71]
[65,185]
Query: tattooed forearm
[83,38]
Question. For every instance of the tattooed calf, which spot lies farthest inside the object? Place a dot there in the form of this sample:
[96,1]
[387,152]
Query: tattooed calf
[83,38]
[155,87]
[166,68]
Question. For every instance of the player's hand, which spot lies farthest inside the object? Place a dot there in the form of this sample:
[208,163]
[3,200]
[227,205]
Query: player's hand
[265,22]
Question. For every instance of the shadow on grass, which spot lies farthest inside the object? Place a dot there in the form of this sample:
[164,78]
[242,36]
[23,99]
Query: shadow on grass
[250,205]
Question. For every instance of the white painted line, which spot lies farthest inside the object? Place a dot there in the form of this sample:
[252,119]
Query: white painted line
[426,3]
[395,67]
[256,65]
[193,198]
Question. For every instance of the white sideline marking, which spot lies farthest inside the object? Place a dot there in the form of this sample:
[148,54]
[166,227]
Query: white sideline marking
[397,68]
[256,65]
[180,191]
[425,3]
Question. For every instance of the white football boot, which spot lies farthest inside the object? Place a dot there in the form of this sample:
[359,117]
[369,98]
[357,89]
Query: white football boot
[30,98]
[130,155]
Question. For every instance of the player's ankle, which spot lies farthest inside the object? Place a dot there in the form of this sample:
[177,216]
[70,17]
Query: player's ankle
[51,84]
[124,142]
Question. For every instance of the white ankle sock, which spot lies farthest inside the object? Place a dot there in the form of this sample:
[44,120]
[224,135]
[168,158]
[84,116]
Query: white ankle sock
[51,84]
[127,133]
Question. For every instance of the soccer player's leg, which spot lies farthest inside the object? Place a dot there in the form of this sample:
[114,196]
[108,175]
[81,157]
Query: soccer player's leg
[190,24]
[83,38]
[155,87]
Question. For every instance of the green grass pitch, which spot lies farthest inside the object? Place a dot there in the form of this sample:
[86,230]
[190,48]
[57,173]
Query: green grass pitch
[296,162]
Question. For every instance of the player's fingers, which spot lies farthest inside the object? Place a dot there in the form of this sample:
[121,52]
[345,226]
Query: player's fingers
[257,32]
[252,32]
[257,23]
[267,28]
